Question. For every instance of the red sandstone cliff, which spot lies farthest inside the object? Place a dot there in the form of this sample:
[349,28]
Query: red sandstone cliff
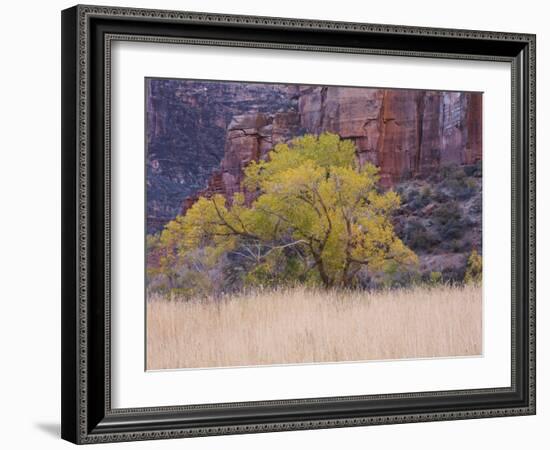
[249,138]
[404,132]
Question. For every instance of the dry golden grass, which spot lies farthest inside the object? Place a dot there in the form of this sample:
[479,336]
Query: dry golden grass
[302,325]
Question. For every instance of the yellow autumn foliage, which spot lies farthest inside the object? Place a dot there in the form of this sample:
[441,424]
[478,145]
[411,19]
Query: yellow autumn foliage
[310,194]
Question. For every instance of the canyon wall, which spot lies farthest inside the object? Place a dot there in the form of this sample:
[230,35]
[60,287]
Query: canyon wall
[201,135]
[404,132]
[186,128]
[249,137]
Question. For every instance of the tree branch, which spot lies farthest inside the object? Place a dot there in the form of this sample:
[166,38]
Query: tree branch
[225,223]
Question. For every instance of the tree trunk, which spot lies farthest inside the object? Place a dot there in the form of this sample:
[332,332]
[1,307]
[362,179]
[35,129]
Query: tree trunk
[328,283]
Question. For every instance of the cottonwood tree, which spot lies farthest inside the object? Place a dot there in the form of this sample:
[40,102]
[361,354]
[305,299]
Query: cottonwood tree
[311,197]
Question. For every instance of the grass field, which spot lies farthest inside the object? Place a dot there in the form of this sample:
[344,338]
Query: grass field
[301,325]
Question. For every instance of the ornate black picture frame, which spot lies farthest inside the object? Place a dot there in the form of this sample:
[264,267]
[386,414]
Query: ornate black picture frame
[87,34]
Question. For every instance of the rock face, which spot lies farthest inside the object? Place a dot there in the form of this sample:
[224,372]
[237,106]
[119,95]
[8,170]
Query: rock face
[249,138]
[199,131]
[187,123]
[404,132]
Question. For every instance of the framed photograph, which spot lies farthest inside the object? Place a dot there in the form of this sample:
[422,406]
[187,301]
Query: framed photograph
[279,224]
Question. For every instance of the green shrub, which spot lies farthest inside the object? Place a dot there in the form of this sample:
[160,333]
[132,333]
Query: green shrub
[474,268]
[436,278]
[418,198]
[448,218]
[417,236]
[395,276]
[453,245]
